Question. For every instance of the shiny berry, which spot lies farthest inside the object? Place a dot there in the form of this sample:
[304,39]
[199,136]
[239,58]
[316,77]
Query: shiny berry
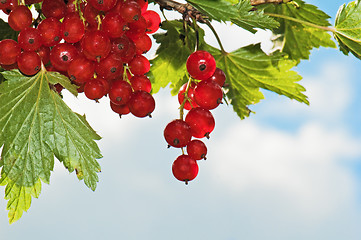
[208,94]
[201,122]
[196,149]
[201,65]
[177,133]
[185,168]
[141,104]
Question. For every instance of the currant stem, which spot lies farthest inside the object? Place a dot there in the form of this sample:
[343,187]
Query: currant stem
[181,108]
[330,29]
[216,35]
[197,33]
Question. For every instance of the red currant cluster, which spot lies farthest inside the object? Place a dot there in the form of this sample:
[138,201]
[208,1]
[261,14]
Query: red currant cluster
[98,44]
[202,93]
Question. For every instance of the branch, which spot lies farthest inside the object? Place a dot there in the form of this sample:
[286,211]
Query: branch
[188,10]
[184,9]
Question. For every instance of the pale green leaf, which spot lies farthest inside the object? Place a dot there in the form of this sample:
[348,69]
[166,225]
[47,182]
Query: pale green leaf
[348,28]
[297,39]
[19,197]
[248,69]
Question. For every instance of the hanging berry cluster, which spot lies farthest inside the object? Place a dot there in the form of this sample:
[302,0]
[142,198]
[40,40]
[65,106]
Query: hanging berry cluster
[99,45]
[202,93]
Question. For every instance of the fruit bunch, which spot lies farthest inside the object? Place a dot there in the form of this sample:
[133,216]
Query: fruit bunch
[99,45]
[202,93]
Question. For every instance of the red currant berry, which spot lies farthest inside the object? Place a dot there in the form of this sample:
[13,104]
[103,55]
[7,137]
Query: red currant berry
[208,94]
[143,44]
[29,63]
[120,92]
[96,45]
[141,82]
[177,133]
[29,39]
[62,55]
[105,83]
[137,28]
[9,51]
[49,30]
[201,122]
[197,150]
[72,28]
[53,8]
[90,14]
[81,70]
[110,67]
[219,77]
[201,65]
[139,65]
[185,168]
[120,109]
[114,25]
[141,104]
[123,48]
[190,103]
[20,17]
[94,89]
[153,21]
[130,11]
[8,5]
[103,5]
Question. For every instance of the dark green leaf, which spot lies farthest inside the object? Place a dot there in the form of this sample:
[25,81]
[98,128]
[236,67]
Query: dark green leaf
[219,10]
[6,32]
[249,19]
[35,125]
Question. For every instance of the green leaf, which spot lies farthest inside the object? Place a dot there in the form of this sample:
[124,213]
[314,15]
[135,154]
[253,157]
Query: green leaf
[6,32]
[169,66]
[19,197]
[297,39]
[219,10]
[248,69]
[348,28]
[35,125]
[249,19]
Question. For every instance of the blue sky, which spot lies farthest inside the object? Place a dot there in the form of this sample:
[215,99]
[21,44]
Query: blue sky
[290,171]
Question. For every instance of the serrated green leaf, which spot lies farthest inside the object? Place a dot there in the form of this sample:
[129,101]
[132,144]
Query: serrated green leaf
[35,125]
[169,66]
[219,10]
[19,197]
[348,28]
[56,77]
[248,69]
[250,20]
[6,32]
[297,39]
